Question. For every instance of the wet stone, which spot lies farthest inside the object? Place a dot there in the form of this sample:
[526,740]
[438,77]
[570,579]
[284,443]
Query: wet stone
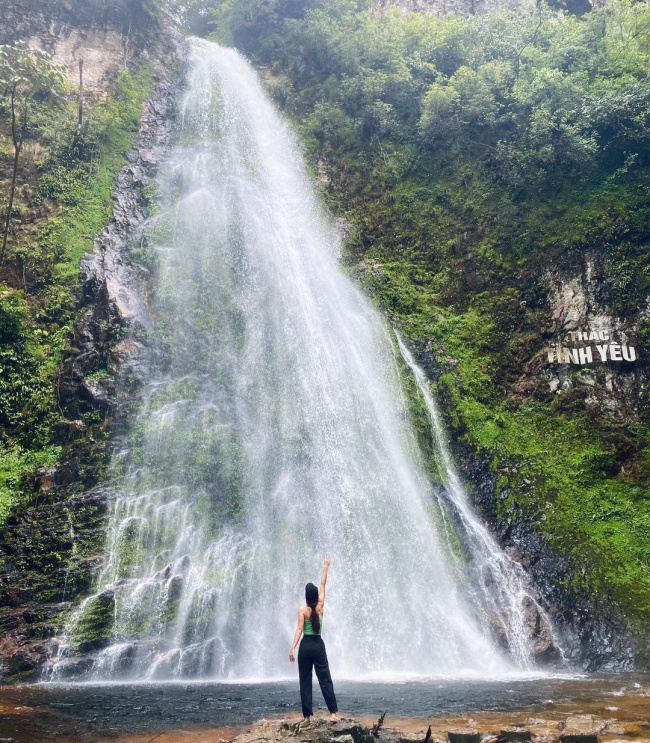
[582,729]
[463,736]
[515,735]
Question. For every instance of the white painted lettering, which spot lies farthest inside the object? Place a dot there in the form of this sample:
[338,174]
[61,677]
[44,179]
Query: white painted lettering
[604,335]
[570,356]
[602,350]
[551,354]
[585,356]
[615,352]
[629,353]
[593,336]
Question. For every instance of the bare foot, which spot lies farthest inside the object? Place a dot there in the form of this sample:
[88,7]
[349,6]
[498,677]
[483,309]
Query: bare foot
[333,718]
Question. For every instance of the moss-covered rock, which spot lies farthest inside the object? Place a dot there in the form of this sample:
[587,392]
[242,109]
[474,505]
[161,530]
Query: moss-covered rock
[94,629]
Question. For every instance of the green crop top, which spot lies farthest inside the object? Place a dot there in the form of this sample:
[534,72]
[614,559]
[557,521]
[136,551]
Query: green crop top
[309,630]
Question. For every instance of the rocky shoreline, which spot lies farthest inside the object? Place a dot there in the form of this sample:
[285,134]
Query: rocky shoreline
[573,729]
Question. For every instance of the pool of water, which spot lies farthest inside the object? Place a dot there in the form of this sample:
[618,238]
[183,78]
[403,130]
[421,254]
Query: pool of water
[85,712]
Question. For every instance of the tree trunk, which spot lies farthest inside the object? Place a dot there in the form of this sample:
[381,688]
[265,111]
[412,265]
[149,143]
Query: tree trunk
[11,203]
[18,144]
[81,93]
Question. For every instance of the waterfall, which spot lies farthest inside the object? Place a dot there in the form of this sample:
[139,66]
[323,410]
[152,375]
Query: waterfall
[496,583]
[275,435]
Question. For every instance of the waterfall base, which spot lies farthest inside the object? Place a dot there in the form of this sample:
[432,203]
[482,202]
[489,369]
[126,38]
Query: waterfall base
[212,713]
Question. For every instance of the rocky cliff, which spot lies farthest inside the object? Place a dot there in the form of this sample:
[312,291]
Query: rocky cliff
[51,544]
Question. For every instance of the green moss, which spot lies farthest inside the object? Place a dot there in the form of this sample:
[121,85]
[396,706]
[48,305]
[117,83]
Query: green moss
[555,476]
[76,182]
[172,603]
[14,463]
[94,628]
[21,669]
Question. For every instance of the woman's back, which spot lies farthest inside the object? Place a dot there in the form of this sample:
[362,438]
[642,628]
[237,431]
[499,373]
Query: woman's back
[308,628]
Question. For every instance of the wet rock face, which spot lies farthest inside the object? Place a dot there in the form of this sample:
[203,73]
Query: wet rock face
[95,629]
[582,301]
[50,553]
[591,633]
[542,643]
[586,632]
[540,632]
[26,640]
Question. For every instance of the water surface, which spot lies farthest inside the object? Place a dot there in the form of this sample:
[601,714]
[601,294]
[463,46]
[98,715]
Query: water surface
[89,712]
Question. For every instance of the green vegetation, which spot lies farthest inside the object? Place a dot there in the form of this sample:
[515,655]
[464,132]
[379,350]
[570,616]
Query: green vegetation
[94,629]
[138,20]
[63,199]
[472,156]
[34,86]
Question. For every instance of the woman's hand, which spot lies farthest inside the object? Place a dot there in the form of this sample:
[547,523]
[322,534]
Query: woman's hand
[292,657]
[327,562]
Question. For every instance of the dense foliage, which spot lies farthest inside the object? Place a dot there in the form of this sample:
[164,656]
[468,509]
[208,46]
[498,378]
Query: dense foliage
[65,185]
[471,157]
[137,19]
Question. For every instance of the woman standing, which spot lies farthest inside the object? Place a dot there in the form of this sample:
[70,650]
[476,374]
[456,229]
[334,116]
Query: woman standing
[312,649]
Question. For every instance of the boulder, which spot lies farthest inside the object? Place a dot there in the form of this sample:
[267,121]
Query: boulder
[582,729]
[540,633]
[465,735]
[514,735]
[23,666]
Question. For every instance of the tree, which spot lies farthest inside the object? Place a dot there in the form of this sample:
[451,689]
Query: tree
[194,16]
[32,84]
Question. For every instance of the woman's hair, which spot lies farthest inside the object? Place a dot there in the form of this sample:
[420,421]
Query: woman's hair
[311,597]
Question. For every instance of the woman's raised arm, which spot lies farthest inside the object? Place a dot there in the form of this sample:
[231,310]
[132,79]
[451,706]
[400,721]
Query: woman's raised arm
[323,581]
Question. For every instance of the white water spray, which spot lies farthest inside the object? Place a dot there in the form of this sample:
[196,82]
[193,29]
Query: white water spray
[497,584]
[276,435]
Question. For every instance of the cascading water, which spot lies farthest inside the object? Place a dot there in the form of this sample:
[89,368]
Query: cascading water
[496,583]
[276,435]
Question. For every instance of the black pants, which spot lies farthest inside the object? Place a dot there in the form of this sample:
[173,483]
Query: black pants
[311,654]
